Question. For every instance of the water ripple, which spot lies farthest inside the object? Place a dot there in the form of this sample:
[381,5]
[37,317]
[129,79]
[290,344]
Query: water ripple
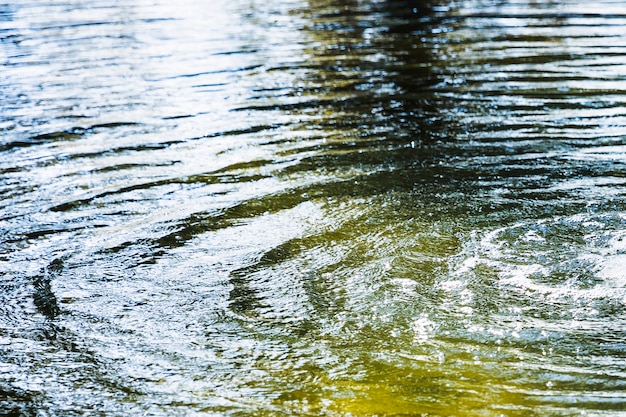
[312,207]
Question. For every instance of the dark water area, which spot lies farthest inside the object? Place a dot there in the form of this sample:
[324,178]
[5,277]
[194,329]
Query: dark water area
[312,207]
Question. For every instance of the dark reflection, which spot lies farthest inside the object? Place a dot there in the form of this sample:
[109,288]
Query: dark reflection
[16,402]
[372,84]
[44,297]
[371,71]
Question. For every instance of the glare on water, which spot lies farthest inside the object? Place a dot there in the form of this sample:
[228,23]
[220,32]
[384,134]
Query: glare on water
[312,207]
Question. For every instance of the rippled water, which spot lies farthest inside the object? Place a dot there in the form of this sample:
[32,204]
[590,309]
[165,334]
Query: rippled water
[312,207]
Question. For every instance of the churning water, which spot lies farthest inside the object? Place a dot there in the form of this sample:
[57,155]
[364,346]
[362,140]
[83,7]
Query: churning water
[312,207]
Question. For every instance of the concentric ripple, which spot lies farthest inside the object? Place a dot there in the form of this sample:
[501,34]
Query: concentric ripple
[312,207]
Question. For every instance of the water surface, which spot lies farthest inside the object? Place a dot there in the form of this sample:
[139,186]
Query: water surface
[303,208]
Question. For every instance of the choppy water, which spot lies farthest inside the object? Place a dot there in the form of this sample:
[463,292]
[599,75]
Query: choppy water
[312,207]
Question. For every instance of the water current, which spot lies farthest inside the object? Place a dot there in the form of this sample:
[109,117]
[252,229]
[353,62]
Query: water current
[312,208]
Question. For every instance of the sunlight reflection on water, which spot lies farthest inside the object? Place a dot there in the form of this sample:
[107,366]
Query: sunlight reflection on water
[312,208]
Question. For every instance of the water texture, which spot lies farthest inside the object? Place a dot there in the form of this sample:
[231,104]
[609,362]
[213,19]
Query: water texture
[312,207]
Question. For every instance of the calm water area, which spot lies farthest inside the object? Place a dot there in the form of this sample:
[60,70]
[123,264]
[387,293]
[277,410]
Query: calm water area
[312,208]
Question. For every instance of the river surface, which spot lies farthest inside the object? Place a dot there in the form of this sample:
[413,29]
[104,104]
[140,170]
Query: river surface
[312,208]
